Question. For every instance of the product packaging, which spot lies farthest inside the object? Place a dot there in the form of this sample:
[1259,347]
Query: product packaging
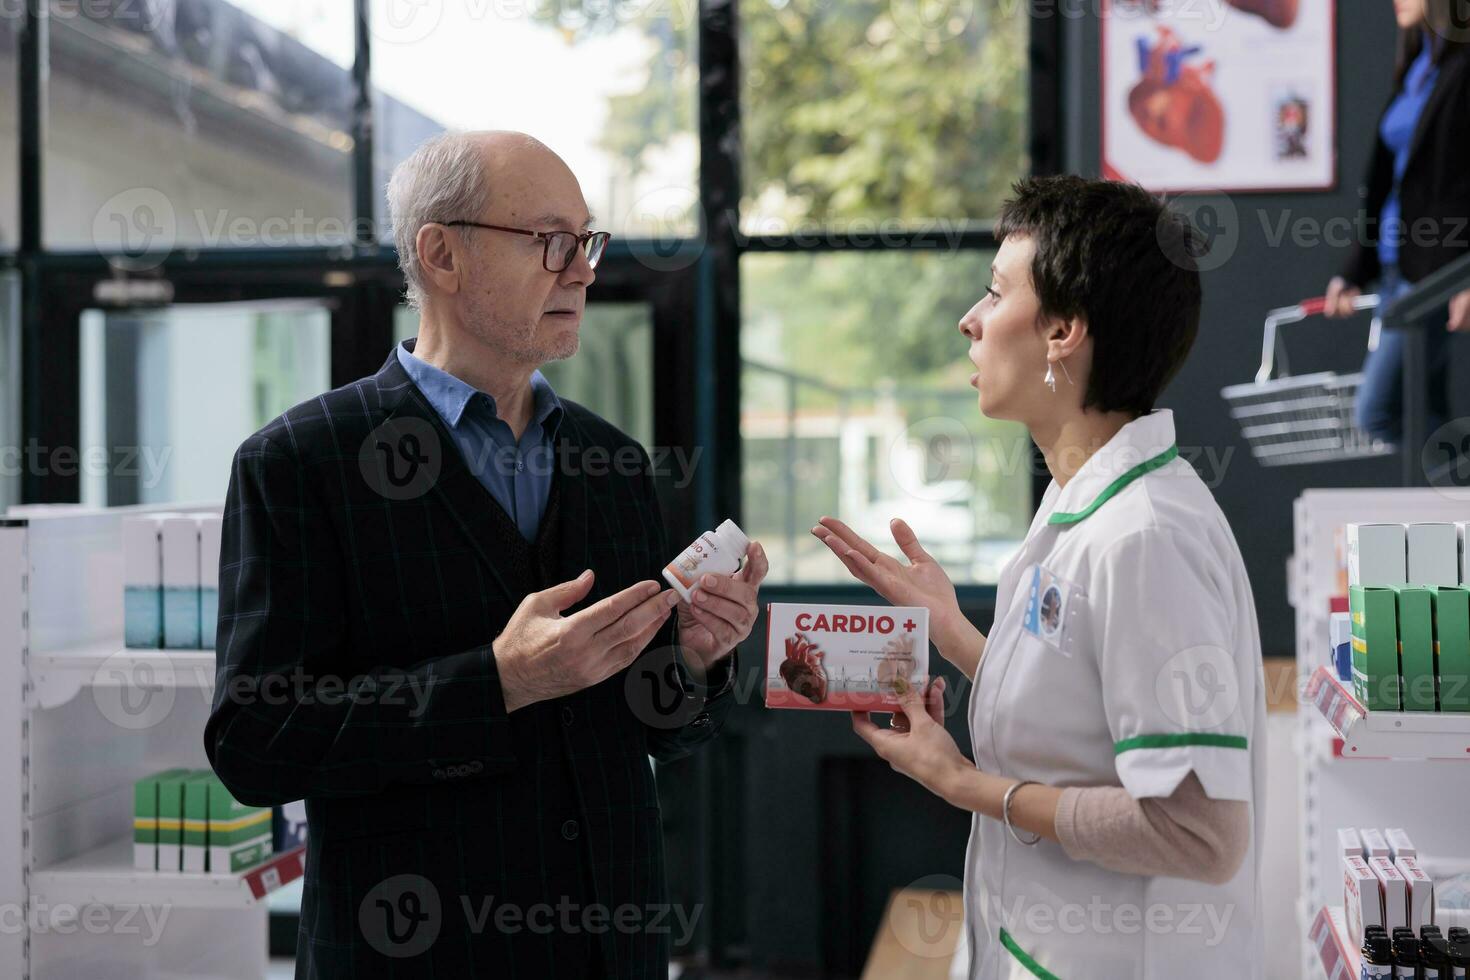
[181,582]
[717,552]
[1374,843]
[1452,647]
[194,833]
[1340,654]
[239,835]
[1399,845]
[1419,892]
[1378,555]
[288,826]
[142,582]
[1434,554]
[210,526]
[145,817]
[844,658]
[1362,897]
[1395,892]
[171,820]
[1376,680]
[1349,843]
[1416,648]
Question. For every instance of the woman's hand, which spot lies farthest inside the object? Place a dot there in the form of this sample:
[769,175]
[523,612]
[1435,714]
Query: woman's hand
[1340,297]
[916,743]
[920,582]
[1460,312]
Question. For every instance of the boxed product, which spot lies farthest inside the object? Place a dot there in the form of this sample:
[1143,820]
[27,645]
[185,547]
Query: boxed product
[1349,843]
[239,835]
[844,658]
[1399,845]
[194,833]
[1452,647]
[210,526]
[1416,648]
[1419,893]
[1434,554]
[1340,639]
[1395,892]
[1376,679]
[288,826]
[181,582]
[146,802]
[1375,844]
[1464,534]
[171,819]
[142,582]
[1378,555]
[1362,897]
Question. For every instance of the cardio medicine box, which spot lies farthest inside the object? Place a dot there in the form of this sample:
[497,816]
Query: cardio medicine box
[844,658]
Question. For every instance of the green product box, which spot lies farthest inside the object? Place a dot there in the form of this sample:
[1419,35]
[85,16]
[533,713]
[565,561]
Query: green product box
[194,832]
[145,818]
[171,819]
[1452,647]
[1416,647]
[239,835]
[1376,679]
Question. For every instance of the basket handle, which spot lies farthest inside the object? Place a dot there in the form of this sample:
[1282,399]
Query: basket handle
[1314,306]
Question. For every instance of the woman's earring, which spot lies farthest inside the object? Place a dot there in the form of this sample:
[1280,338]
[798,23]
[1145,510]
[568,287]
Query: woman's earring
[1067,374]
[1051,378]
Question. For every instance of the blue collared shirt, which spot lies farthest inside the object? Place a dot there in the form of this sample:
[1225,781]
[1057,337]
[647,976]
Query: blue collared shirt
[517,473]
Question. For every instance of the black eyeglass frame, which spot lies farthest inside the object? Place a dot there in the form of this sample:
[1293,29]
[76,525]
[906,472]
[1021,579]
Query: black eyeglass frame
[546,237]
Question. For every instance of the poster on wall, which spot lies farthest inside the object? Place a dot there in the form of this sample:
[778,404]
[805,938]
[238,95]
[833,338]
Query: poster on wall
[1230,95]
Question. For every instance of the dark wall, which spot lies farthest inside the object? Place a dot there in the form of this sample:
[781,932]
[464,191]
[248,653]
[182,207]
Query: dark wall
[1256,278]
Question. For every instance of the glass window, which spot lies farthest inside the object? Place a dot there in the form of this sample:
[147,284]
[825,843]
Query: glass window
[855,403]
[609,86]
[168,395]
[870,113]
[612,371]
[207,124]
[9,138]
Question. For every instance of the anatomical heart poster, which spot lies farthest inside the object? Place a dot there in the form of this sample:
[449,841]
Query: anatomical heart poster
[1228,95]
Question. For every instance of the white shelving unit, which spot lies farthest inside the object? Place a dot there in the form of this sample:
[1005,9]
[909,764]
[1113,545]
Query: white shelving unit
[86,718]
[1362,768]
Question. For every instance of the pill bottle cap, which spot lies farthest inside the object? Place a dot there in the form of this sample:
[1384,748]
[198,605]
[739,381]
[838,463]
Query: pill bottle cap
[731,532]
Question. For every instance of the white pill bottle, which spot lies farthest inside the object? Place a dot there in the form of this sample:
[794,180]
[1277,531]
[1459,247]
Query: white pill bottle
[717,552]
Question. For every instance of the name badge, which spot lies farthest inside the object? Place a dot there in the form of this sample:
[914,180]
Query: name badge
[1051,604]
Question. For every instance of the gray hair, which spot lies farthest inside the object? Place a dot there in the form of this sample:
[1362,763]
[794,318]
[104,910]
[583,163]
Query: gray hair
[443,180]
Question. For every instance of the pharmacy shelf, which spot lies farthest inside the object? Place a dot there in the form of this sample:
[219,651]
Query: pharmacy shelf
[106,876]
[59,676]
[1328,939]
[1386,734]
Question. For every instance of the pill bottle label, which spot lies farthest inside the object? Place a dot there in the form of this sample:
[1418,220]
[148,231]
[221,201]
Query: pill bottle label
[1373,972]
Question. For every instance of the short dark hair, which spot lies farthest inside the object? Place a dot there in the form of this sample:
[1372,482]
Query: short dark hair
[1116,256]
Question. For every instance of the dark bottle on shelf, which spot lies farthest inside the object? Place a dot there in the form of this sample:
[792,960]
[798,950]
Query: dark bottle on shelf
[1406,962]
[1376,955]
[1434,954]
[1459,938]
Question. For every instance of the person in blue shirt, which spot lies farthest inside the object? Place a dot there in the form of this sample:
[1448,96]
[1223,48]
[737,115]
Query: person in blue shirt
[1417,199]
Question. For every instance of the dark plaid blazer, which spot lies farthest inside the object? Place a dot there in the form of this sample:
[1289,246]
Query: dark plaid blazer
[358,601]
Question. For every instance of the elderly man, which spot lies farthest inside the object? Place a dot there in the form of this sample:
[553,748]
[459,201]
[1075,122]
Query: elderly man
[433,584]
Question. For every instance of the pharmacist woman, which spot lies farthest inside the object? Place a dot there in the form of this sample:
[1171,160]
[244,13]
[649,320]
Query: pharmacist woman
[1417,200]
[1117,711]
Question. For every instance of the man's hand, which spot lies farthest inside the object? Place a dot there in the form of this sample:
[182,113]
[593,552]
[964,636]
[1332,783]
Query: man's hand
[722,613]
[1460,312]
[542,655]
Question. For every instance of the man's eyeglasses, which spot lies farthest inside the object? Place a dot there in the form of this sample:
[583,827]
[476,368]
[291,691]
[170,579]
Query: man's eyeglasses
[559,246]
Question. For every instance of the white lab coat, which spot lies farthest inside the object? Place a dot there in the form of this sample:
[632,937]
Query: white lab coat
[1125,651]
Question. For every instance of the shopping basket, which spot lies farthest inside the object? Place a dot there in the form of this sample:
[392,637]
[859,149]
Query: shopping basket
[1306,418]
